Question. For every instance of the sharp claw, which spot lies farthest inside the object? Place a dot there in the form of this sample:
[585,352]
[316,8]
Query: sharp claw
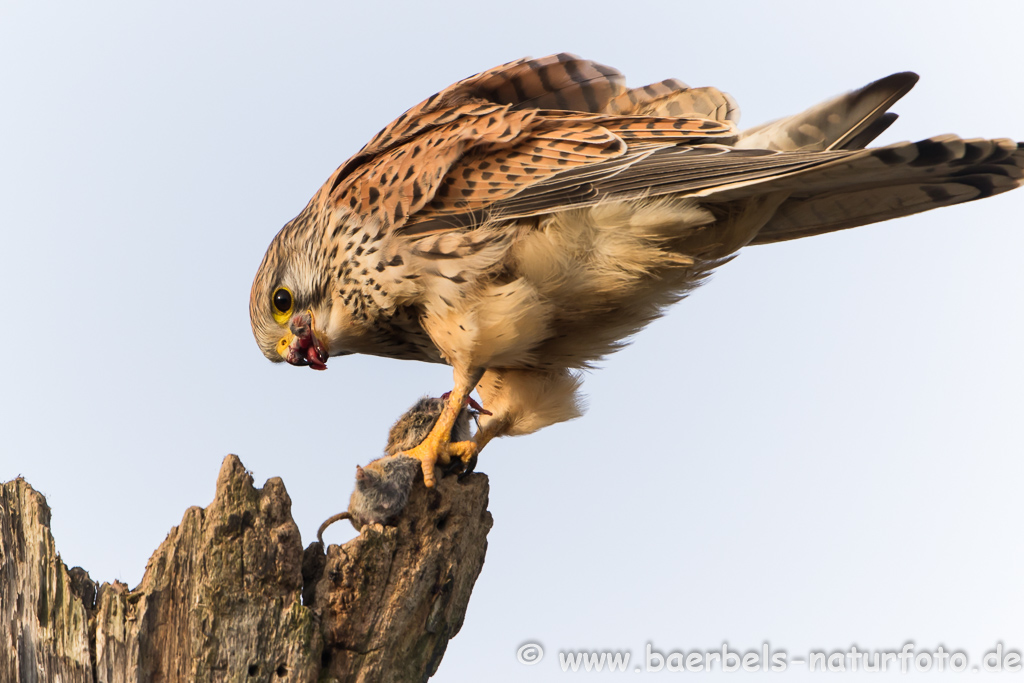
[477,407]
[469,402]
[470,467]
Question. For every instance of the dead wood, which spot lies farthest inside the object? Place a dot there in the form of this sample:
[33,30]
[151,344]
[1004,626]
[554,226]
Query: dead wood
[230,595]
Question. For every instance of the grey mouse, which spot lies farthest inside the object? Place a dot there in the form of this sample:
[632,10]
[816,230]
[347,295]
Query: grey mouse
[383,486]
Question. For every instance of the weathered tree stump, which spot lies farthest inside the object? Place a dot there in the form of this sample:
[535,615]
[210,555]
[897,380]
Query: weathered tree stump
[44,627]
[230,595]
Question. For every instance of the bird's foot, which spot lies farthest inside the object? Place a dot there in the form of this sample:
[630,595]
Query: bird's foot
[463,450]
[437,448]
[435,451]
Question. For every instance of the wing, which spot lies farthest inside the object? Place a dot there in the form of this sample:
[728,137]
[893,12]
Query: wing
[849,121]
[827,133]
[489,137]
[537,136]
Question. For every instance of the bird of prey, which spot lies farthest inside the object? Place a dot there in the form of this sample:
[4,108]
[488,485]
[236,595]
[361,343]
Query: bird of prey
[524,222]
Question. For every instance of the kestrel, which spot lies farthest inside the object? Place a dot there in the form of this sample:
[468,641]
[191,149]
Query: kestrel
[524,222]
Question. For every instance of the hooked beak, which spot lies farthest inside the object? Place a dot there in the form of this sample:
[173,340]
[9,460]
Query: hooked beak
[302,345]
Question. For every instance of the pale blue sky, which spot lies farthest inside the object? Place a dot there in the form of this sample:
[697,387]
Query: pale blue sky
[820,448]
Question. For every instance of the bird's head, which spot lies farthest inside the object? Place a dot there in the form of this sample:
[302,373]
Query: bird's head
[290,304]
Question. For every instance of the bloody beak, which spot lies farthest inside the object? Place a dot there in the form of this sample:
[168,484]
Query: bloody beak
[305,347]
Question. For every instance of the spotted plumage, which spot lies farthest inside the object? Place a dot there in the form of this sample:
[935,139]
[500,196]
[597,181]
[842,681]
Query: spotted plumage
[524,222]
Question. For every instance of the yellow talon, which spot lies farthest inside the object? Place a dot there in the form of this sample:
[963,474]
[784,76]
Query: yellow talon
[437,447]
[463,450]
[432,455]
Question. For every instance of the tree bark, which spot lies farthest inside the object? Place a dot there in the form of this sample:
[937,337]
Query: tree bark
[43,623]
[230,595]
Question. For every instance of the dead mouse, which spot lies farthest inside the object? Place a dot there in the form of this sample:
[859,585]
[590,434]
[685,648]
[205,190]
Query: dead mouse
[383,486]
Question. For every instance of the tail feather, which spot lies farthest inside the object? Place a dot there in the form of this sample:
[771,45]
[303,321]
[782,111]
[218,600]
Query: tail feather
[889,182]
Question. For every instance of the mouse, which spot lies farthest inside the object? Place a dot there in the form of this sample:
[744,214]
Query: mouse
[383,485]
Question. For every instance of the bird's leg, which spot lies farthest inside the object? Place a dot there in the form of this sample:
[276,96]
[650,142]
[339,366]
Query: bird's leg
[486,433]
[482,438]
[437,448]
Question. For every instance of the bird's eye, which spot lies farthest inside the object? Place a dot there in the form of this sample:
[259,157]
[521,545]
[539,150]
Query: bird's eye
[282,300]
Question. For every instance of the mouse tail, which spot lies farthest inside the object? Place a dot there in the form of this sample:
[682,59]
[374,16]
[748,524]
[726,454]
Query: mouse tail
[329,521]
